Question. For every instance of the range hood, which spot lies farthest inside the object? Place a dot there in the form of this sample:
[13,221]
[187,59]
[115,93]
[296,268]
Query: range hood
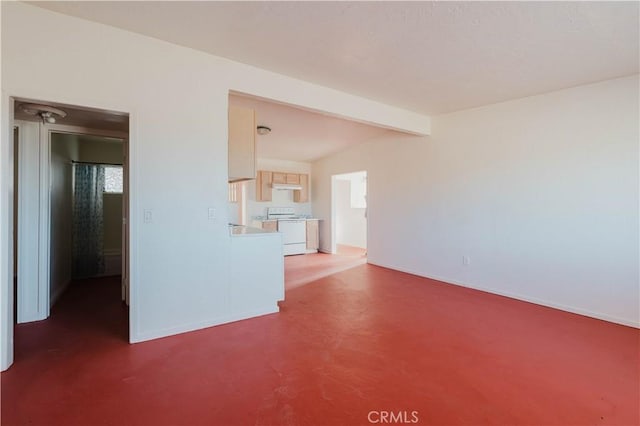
[284,186]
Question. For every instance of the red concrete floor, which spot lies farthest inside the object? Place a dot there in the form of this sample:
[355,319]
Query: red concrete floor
[344,349]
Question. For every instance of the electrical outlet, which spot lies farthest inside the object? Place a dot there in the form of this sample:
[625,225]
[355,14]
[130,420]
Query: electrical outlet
[211,214]
[466,260]
[148,216]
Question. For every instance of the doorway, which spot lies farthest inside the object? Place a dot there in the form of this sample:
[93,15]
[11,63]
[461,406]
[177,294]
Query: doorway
[64,231]
[349,213]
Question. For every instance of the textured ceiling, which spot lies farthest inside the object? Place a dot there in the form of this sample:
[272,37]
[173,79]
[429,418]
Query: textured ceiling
[429,57]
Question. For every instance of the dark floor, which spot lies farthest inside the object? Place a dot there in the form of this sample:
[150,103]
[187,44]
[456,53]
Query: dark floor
[347,348]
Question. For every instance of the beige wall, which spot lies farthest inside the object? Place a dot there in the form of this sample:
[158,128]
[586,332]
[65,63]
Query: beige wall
[540,193]
[112,223]
[100,150]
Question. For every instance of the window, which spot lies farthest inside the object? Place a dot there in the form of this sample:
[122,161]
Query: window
[113,179]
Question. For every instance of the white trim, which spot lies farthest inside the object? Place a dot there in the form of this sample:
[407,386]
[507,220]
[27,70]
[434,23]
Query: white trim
[30,306]
[44,223]
[86,131]
[529,299]
[133,205]
[225,319]
[6,230]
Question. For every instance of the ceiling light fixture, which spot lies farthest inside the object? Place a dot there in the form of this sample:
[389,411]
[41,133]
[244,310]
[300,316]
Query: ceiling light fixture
[263,130]
[47,113]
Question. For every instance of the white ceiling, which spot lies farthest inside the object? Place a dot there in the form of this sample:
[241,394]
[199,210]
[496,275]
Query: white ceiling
[429,57]
[300,135]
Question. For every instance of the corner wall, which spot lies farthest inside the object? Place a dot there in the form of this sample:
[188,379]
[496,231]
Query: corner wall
[540,193]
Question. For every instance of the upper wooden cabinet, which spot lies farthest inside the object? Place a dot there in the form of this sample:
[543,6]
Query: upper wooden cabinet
[263,186]
[302,195]
[279,177]
[242,144]
[265,181]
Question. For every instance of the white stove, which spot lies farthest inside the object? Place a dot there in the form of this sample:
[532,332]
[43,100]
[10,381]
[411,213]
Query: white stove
[292,227]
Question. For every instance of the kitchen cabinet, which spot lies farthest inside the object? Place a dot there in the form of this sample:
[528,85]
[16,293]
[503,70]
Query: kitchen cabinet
[293,178]
[242,144]
[266,179]
[270,225]
[279,177]
[263,186]
[302,195]
[313,235]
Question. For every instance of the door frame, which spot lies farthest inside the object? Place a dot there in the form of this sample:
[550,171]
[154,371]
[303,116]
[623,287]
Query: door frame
[7,103]
[334,179]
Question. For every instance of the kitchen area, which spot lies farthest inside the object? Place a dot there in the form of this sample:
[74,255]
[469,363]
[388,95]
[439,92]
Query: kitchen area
[268,195]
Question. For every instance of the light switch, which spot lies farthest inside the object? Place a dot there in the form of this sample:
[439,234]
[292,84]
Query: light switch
[148,216]
[212,213]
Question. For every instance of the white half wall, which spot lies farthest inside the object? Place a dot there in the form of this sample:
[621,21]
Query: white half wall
[541,194]
[180,261]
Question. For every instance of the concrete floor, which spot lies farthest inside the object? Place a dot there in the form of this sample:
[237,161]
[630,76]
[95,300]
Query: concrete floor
[354,344]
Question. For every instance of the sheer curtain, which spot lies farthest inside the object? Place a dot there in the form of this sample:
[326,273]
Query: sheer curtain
[88,220]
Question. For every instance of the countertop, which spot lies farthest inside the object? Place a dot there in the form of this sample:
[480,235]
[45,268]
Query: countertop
[261,219]
[241,230]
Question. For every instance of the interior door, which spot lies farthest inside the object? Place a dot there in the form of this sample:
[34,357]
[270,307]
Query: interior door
[125,223]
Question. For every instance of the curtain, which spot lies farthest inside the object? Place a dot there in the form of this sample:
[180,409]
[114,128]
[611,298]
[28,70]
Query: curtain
[88,221]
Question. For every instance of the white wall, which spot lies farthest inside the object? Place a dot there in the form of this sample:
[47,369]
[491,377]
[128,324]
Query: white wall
[351,222]
[541,193]
[180,262]
[64,149]
[279,198]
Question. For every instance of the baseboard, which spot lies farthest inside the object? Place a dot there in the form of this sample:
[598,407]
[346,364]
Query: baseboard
[534,300]
[171,331]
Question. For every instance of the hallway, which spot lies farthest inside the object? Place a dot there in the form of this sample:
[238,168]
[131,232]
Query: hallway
[357,340]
